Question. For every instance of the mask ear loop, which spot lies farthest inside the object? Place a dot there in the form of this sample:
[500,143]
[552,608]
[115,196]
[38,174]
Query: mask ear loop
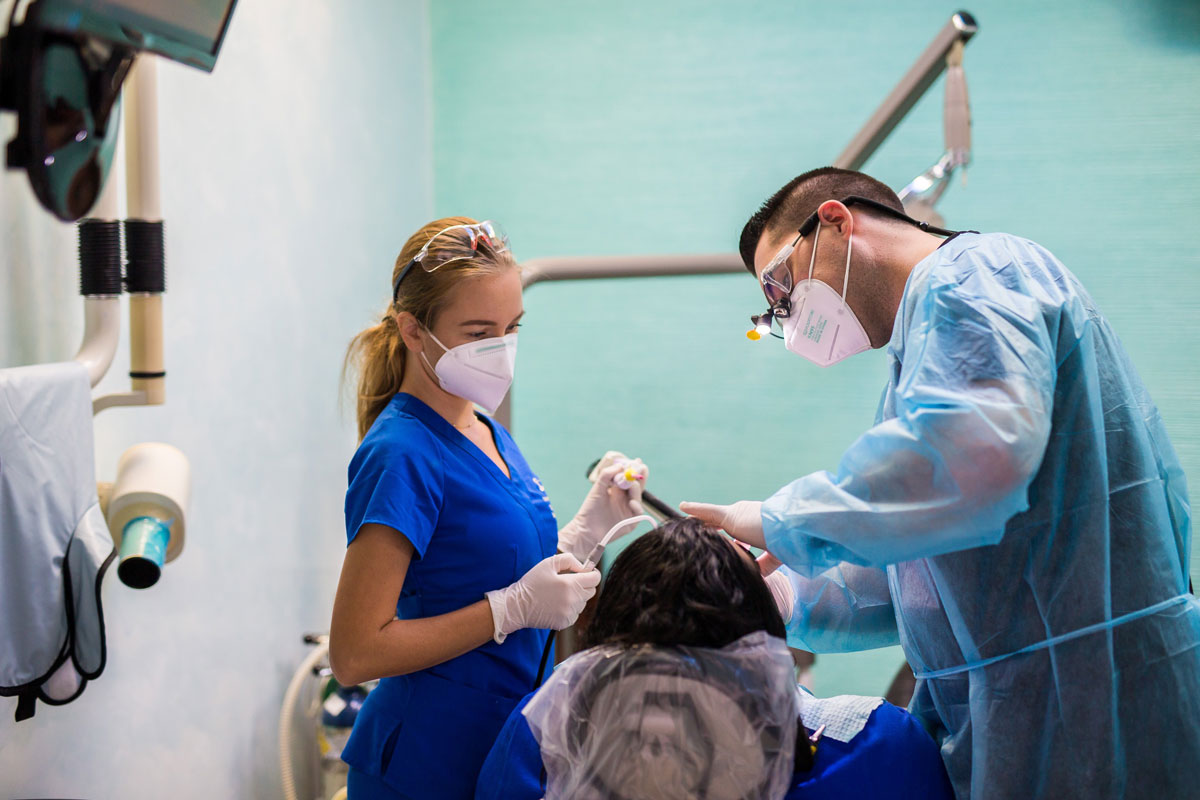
[436,339]
[846,281]
[425,358]
[813,259]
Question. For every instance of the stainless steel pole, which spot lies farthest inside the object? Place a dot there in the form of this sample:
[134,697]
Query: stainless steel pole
[579,268]
[920,76]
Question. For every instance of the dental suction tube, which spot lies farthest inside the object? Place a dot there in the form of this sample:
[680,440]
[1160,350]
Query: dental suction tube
[598,550]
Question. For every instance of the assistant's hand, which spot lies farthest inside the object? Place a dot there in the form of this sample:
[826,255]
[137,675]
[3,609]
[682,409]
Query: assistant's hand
[550,595]
[606,504]
[742,520]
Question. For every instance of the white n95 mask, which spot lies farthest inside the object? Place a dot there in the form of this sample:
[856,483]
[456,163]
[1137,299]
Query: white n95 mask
[821,326]
[478,371]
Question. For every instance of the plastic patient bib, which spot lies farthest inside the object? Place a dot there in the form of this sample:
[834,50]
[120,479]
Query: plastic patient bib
[54,544]
[618,722]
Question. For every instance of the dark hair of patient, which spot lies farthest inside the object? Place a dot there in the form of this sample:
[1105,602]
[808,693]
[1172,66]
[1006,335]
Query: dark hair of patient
[682,583]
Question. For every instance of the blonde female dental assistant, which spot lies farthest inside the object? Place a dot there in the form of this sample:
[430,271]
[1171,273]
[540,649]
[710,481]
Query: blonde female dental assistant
[450,584]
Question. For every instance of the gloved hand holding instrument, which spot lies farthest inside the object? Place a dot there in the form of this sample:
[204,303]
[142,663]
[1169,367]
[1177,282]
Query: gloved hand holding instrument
[616,494]
[612,508]
[550,595]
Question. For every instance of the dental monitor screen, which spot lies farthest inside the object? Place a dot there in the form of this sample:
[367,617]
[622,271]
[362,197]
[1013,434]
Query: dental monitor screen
[190,32]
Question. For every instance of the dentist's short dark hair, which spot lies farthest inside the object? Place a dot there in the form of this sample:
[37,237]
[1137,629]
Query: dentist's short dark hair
[802,195]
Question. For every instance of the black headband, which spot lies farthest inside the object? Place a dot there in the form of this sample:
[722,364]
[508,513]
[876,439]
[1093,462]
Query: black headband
[400,277]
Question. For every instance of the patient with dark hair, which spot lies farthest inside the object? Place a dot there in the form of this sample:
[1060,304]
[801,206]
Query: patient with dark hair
[686,689]
[683,583]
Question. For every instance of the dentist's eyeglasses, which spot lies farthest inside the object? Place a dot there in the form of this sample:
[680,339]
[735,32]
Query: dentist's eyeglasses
[776,277]
[776,281]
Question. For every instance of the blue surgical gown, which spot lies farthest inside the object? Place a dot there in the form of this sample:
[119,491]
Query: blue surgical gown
[426,734]
[891,758]
[1018,521]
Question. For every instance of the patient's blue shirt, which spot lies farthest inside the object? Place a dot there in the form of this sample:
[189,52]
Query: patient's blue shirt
[891,757]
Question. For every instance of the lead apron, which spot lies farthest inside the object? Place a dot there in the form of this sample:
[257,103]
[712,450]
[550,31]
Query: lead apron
[54,543]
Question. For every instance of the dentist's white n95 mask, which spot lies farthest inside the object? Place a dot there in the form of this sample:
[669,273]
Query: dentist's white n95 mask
[479,371]
[821,326]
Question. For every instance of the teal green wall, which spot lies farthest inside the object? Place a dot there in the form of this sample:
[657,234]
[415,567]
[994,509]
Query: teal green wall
[629,127]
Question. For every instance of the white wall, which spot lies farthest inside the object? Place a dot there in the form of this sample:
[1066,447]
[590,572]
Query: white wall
[291,177]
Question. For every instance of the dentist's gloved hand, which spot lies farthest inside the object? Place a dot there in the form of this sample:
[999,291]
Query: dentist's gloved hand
[742,520]
[551,595]
[606,504]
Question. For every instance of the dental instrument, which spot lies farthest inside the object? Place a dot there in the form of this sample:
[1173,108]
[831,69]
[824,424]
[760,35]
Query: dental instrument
[816,737]
[628,477]
[592,559]
[660,507]
[598,550]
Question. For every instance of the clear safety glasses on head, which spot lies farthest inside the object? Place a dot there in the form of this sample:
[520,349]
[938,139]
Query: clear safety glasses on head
[452,244]
[669,722]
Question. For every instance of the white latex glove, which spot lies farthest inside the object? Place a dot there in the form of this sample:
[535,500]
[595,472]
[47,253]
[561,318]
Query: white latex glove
[768,563]
[782,592]
[551,595]
[780,585]
[606,504]
[742,520]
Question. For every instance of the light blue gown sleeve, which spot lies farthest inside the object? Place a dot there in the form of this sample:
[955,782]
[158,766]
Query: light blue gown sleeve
[972,418]
[845,608]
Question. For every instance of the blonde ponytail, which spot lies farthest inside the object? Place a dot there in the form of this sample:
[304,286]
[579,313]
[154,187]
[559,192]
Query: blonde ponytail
[378,355]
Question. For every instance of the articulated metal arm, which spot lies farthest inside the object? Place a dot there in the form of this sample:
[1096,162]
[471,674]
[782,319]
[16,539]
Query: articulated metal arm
[945,49]
[920,76]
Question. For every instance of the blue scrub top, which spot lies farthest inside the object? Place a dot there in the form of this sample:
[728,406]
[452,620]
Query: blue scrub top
[891,757]
[473,530]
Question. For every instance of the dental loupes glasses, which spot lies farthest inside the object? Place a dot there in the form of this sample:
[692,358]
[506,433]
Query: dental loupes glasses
[776,281]
[776,277]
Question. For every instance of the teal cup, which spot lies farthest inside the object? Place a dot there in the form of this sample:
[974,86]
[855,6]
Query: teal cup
[143,550]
